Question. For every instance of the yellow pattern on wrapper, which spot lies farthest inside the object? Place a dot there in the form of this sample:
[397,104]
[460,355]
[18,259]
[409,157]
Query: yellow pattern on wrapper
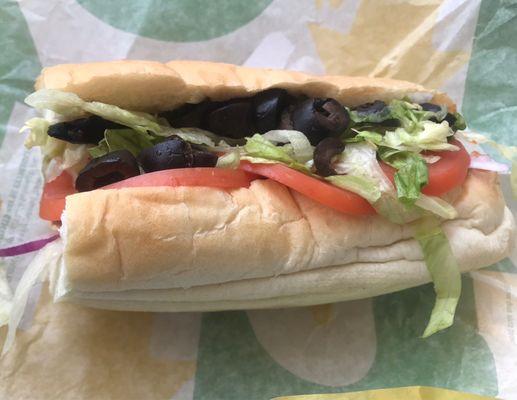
[93,352]
[407,393]
[406,50]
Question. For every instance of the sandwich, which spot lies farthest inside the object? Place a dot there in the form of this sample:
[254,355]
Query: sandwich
[198,186]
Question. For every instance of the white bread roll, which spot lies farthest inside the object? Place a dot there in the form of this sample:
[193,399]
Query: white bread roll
[191,248]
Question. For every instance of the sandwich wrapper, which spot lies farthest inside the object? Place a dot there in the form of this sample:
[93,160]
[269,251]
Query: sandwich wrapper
[466,48]
[413,392]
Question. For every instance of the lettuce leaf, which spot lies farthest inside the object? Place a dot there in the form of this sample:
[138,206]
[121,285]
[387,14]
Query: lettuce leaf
[444,271]
[411,176]
[437,206]
[58,155]
[360,160]
[364,187]
[368,136]
[259,149]
[432,136]
[71,106]
[359,117]
[123,139]
[48,257]
[302,150]
[201,137]
[230,160]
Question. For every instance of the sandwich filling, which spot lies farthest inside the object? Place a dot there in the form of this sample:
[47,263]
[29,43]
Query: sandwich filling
[397,158]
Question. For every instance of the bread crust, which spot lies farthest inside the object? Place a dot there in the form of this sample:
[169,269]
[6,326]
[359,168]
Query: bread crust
[192,248]
[201,237]
[152,86]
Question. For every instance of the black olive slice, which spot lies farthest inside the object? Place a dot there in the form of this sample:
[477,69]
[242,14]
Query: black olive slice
[189,115]
[232,120]
[318,118]
[430,107]
[323,154]
[82,130]
[204,159]
[171,153]
[286,121]
[110,168]
[268,106]
[451,119]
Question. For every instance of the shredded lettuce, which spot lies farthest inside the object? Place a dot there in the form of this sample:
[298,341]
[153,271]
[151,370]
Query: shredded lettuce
[230,160]
[444,272]
[71,106]
[258,149]
[35,273]
[360,160]
[122,139]
[368,136]
[371,117]
[433,136]
[58,155]
[411,176]
[411,116]
[37,136]
[302,150]
[364,187]
[418,131]
[437,206]
[201,137]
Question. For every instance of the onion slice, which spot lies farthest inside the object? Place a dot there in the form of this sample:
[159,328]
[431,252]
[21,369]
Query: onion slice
[28,247]
[485,162]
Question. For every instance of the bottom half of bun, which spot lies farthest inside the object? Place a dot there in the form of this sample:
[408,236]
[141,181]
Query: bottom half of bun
[203,249]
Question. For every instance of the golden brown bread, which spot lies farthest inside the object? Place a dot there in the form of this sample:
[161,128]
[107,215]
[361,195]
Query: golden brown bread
[152,86]
[259,247]
[266,246]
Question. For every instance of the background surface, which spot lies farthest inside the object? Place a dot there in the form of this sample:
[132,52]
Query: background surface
[465,47]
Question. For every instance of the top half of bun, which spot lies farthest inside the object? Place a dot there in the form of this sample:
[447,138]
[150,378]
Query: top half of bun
[153,86]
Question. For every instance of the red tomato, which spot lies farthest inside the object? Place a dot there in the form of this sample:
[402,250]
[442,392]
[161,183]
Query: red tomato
[54,192]
[444,175]
[317,190]
[53,197]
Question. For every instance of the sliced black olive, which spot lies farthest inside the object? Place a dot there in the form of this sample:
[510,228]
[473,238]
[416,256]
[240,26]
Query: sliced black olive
[82,130]
[189,115]
[204,159]
[231,119]
[268,106]
[169,154]
[110,168]
[451,119]
[286,121]
[319,118]
[323,154]
[430,107]
[371,108]
[175,153]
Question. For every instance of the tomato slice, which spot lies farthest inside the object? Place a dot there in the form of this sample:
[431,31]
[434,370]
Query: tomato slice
[317,190]
[52,201]
[54,193]
[444,175]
